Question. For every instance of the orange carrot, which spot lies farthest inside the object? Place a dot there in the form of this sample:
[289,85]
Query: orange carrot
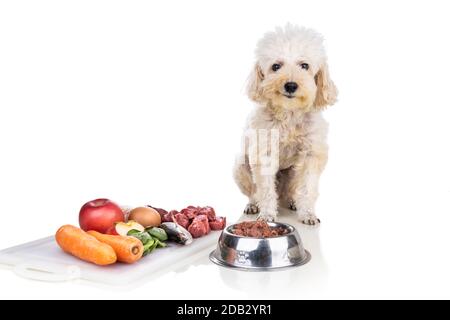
[128,249]
[84,246]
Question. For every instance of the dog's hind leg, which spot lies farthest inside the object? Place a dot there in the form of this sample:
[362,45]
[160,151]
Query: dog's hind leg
[243,177]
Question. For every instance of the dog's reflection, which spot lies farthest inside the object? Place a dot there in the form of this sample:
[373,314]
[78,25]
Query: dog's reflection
[307,278]
[285,283]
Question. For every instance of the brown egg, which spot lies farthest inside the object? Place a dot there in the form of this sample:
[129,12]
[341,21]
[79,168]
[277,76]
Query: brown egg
[145,216]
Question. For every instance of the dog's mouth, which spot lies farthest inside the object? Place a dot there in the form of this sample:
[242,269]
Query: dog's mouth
[289,95]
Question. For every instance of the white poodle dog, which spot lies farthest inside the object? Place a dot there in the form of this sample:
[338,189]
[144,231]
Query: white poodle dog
[285,148]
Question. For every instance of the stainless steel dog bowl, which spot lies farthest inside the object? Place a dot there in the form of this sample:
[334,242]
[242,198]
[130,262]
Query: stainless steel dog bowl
[260,254]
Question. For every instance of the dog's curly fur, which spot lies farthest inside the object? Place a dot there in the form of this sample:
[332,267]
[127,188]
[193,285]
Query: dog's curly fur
[295,118]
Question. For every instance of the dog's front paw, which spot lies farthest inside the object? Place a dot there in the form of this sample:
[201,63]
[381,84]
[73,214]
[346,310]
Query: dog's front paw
[251,209]
[292,205]
[310,220]
[266,217]
[307,216]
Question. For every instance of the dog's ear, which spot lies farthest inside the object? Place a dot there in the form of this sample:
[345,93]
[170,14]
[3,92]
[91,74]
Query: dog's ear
[327,92]
[254,90]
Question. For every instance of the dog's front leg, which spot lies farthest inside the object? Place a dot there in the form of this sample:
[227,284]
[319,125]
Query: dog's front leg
[266,196]
[263,157]
[305,186]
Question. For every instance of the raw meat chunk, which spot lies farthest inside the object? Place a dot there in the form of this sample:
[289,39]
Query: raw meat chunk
[218,223]
[190,212]
[203,219]
[207,211]
[181,219]
[197,229]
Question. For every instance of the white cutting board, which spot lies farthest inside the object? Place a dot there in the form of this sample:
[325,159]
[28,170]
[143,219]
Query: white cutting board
[44,260]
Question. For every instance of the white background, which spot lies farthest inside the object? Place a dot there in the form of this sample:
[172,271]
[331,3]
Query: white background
[143,102]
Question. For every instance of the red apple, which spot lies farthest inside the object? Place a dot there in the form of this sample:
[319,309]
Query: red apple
[112,231]
[100,215]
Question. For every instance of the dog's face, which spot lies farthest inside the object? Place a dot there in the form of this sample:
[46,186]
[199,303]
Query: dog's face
[288,83]
[291,71]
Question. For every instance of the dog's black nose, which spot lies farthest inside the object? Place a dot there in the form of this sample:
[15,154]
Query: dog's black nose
[290,87]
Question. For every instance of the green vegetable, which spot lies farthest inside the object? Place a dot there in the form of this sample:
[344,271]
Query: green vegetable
[143,236]
[134,231]
[153,247]
[151,238]
[157,233]
[148,247]
[160,244]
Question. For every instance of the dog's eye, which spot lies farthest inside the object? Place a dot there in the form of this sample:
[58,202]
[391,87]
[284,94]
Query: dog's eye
[276,66]
[304,66]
